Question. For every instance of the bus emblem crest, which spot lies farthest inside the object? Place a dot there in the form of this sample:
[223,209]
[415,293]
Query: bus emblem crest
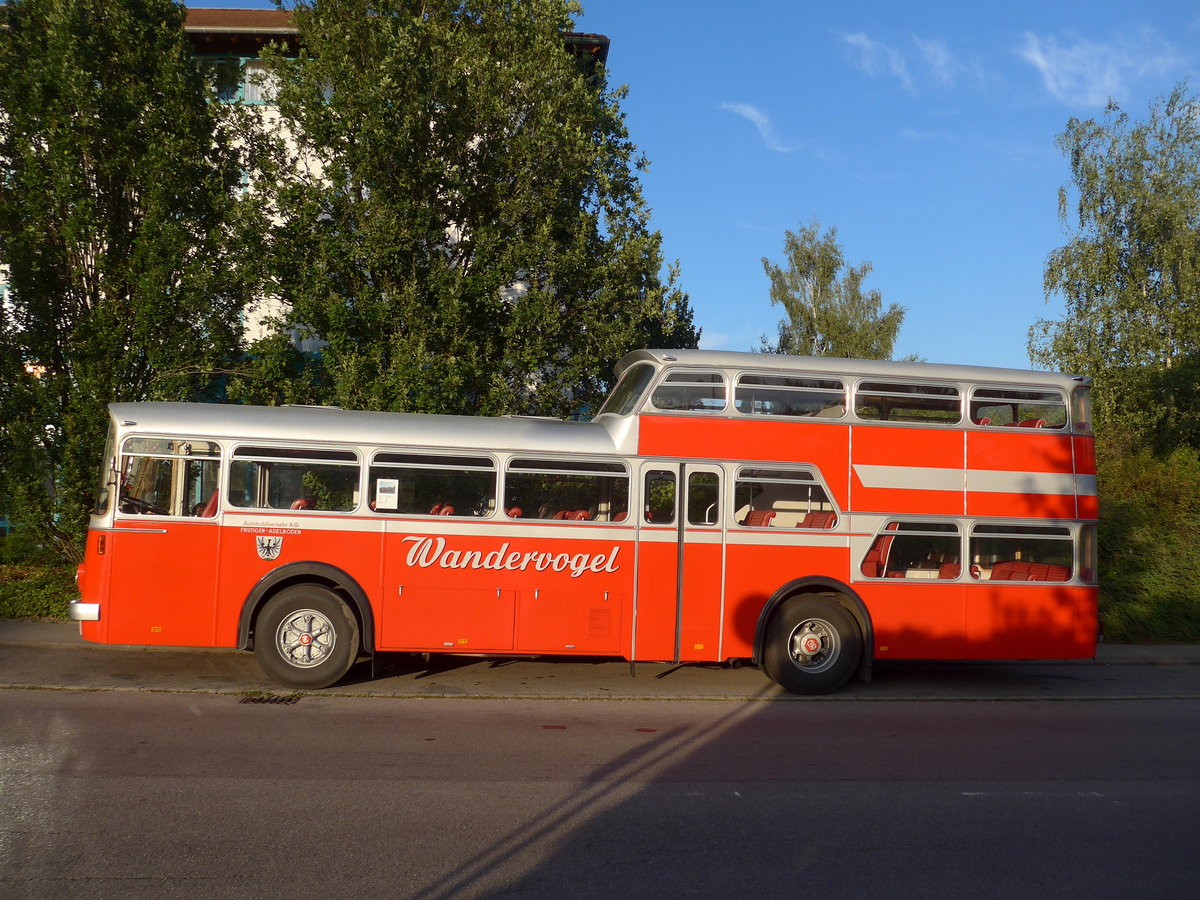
[268,547]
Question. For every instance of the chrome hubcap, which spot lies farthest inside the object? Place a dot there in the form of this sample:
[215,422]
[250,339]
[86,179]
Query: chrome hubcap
[814,645]
[305,638]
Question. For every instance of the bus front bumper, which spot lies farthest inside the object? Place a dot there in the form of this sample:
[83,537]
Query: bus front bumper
[84,612]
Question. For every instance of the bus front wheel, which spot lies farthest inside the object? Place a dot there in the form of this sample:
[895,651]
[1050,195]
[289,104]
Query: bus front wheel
[812,646]
[306,637]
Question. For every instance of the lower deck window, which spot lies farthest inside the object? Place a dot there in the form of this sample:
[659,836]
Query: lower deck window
[412,484]
[279,478]
[781,498]
[1021,553]
[566,490]
[168,477]
[916,550]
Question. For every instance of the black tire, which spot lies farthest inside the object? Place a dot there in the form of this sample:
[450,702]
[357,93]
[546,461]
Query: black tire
[813,646]
[306,637]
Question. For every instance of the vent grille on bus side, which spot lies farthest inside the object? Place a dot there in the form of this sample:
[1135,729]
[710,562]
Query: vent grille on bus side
[599,623]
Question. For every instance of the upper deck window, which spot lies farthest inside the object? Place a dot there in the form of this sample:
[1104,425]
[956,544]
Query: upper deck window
[928,404]
[691,392]
[1021,407]
[785,395]
[627,395]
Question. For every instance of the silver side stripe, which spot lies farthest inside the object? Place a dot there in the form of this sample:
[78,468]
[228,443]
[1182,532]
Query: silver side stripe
[990,481]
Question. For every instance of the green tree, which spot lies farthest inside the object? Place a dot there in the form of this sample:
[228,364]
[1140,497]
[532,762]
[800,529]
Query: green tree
[1130,274]
[828,311]
[120,230]
[1129,277]
[459,215]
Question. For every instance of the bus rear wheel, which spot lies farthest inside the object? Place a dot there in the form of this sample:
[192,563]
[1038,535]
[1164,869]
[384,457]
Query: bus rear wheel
[812,646]
[306,637]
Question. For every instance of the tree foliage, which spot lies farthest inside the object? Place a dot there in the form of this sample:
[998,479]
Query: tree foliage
[1149,558]
[1130,274]
[119,229]
[829,313]
[459,215]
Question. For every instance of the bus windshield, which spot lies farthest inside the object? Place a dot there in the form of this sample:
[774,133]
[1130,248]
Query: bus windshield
[629,391]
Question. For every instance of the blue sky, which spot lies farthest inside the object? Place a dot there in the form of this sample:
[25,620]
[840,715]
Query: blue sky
[923,131]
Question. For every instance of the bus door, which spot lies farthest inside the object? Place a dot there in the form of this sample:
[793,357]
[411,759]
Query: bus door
[162,547]
[680,562]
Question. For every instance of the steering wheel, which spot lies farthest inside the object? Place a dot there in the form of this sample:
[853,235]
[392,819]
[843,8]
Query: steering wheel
[136,505]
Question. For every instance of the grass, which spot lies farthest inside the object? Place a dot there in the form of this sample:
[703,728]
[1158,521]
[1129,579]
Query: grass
[31,590]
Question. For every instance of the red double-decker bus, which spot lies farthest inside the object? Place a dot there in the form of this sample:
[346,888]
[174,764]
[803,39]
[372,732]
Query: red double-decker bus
[811,515]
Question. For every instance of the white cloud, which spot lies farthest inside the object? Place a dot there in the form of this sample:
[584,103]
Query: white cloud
[941,64]
[1079,72]
[761,121]
[924,62]
[878,59]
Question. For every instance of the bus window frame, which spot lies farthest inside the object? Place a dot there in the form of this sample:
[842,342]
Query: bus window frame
[306,454]
[982,398]
[568,465]
[1032,533]
[960,391]
[816,480]
[894,528]
[119,475]
[832,413]
[632,400]
[378,460]
[675,376]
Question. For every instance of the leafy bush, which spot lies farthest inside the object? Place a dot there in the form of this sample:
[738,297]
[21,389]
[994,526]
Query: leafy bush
[1149,556]
[36,590]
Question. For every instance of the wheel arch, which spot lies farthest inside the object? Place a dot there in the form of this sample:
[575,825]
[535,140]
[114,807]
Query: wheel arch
[821,586]
[307,572]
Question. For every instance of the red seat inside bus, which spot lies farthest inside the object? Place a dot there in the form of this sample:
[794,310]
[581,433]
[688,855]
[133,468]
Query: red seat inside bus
[819,520]
[1020,570]
[210,509]
[758,518]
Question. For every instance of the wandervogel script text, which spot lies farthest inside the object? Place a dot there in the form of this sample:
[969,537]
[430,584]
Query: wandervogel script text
[426,552]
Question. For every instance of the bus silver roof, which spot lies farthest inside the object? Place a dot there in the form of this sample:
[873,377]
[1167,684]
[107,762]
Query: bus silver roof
[872,368]
[333,425]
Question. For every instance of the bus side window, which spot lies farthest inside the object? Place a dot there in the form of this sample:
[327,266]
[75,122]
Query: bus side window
[294,479]
[161,477]
[433,485]
[1001,552]
[781,498]
[690,392]
[926,404]
[1020,408]
[566,490]
[786,395]
[658,502]
[915,550]
[704,498]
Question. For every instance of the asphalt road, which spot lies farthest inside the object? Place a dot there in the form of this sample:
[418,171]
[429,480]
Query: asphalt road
[151,794]
[51,655]
[163,773]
